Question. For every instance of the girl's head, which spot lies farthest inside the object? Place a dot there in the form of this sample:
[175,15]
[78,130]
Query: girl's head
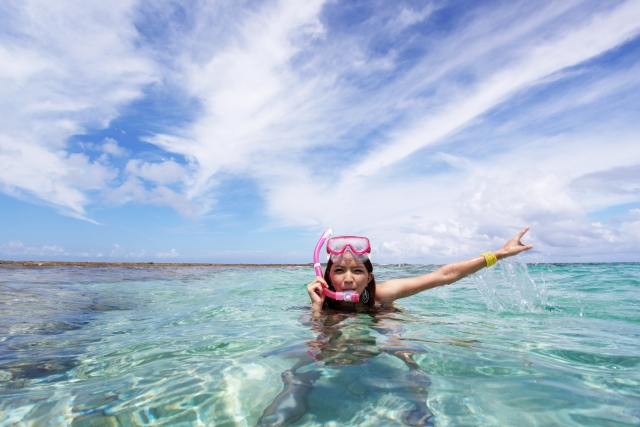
[350,272]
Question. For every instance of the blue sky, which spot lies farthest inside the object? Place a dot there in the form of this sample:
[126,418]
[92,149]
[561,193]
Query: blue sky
[237,131]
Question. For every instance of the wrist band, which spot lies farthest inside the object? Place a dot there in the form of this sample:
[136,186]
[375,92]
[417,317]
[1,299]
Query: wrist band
[490,258]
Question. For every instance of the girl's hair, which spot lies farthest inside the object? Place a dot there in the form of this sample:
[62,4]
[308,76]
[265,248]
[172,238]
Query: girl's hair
[371,286]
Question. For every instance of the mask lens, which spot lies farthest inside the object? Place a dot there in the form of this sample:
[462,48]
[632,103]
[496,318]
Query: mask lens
[358,245]
[339,257]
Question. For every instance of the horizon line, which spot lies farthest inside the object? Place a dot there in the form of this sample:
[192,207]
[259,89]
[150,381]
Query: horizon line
[98,264]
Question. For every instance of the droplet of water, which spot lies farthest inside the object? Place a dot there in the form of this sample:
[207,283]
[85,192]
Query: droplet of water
[509,287]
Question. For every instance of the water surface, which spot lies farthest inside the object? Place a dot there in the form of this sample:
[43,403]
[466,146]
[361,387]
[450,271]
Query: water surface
[514,345]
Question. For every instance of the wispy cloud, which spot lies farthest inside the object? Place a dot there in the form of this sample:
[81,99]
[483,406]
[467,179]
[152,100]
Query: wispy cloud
[16,247]
[119,252]
[63,68]
[618,180]
[171,254]
[133,189]
[536,60]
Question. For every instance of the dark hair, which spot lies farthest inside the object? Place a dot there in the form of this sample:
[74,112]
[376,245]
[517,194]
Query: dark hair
[371,286]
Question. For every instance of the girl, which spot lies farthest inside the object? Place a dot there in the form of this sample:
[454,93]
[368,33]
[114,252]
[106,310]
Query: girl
[346,339]
[349,270]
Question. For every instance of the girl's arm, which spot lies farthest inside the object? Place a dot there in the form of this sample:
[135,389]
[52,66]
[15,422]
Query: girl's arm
[390,291]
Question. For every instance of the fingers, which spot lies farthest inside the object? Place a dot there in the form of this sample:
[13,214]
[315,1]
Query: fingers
[522,247]
[315,289]
[515,246]
[315,286]
[321,281]
[523,232]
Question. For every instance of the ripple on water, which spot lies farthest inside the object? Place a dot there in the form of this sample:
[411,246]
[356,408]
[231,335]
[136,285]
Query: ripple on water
[559,346]
[586,360]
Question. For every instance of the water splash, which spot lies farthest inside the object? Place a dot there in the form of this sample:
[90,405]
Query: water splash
[508,287]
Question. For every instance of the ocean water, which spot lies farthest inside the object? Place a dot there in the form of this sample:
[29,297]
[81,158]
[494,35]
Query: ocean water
[552,345]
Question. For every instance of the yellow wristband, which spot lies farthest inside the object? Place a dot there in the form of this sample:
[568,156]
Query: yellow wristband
[490,258]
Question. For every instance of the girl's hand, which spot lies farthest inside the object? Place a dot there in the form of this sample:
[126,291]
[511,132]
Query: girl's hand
[514,246]
[315,292]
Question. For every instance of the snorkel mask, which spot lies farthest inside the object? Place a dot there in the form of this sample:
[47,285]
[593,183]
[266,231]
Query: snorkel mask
[336,247]
[359,247]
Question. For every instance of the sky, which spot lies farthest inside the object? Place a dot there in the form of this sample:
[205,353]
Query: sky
[238,131]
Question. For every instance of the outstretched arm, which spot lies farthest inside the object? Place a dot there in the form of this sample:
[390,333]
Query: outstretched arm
[390,291]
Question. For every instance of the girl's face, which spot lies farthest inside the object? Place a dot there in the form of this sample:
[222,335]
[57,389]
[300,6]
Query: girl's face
[349,274]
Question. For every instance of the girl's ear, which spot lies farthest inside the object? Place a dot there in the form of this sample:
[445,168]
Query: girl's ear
[370,277]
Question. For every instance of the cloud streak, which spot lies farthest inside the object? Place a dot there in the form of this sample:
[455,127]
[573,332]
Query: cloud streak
[16,247]
[602,33]
[63,69]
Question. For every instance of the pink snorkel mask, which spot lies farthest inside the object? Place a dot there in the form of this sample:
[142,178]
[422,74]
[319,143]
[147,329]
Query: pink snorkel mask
[359,247]
[336,247]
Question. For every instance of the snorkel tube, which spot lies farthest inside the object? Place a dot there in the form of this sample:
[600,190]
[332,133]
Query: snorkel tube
[350,296]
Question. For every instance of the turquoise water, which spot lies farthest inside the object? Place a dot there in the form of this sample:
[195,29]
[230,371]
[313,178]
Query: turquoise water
[553,345]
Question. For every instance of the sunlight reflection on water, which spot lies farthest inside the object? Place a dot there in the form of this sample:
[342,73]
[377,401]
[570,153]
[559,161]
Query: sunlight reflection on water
[515,345]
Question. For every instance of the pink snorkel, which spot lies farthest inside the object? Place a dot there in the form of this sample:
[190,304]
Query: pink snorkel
[350,296]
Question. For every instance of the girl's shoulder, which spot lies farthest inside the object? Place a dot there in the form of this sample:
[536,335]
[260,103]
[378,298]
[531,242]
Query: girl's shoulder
[386,294]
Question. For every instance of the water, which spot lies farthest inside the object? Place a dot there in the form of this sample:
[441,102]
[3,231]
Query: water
[554,345]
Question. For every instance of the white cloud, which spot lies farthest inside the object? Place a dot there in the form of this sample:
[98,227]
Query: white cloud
[255,124]
[528,197]
[16,247]
[137,254]
[166,172]
[91,254]
[250,106]
[620,180]
[119,252]
[110,146]
[64,68]
[603,32]
[133,190]
[171,254]
[57,178]
[410,16]
[84,174]
[458,214]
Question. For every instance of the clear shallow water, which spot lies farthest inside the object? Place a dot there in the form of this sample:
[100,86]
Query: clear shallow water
[543,345]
